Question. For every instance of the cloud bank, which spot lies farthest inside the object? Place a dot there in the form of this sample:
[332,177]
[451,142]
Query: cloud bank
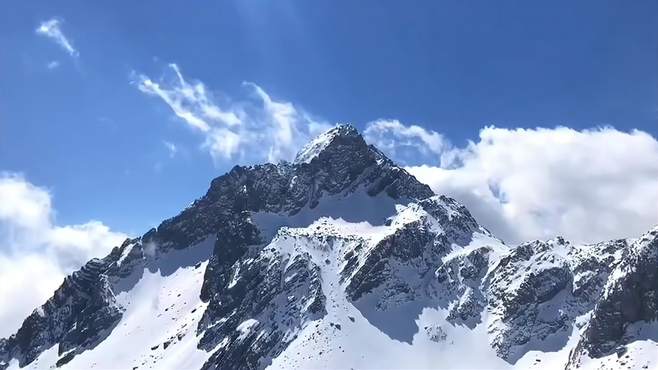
[52,30]
[255,129]
[37,253]
[526,184]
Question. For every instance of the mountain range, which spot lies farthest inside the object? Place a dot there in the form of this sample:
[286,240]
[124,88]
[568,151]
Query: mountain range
[342,259]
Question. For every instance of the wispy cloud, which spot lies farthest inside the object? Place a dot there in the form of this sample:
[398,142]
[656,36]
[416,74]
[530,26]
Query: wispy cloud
[52,64]
[409,144]
[189,101]
[255,128]
[52,30]
[171,148]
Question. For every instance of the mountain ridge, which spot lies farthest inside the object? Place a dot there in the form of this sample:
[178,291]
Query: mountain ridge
[340,236]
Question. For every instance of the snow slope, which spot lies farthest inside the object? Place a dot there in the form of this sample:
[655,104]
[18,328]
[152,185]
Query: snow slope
[158,327]
[345,338]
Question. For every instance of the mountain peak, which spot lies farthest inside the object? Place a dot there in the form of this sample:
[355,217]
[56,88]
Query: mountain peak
[342,132]
[344,129]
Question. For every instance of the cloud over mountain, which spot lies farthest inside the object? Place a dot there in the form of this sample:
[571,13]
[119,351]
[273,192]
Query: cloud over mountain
[528,184]
[36,252]
[523,184]
[253,129]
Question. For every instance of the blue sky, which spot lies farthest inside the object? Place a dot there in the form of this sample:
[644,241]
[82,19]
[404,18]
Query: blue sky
[84,130]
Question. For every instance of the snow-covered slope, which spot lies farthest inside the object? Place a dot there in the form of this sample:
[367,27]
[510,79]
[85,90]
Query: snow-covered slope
[344,260]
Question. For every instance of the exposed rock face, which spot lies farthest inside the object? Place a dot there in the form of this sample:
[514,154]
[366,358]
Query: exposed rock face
[77,317]
[417,245]
[262,300]
[343,225]
[539,289]
[461,277]
[629,296]
[378,265]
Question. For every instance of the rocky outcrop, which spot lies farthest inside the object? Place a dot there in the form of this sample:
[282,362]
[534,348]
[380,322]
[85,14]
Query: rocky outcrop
[629,296]
[80,314]
[262,300]
[537,291]
[461,277]
[401,265]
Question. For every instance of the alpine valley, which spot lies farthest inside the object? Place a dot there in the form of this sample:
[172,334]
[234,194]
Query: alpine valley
[341,259]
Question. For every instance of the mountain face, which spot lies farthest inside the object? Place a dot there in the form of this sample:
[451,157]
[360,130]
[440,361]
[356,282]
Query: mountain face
[343,259]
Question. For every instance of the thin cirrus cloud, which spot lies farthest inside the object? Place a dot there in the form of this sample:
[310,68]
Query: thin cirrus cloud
[35,251]
[172,148]
[52,30]
[52,64]
[255,128]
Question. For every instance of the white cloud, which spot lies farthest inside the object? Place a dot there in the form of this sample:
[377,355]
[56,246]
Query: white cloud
[36,252]
[40,274]
[223,143]
[171,148]
[52,29]
[408,144]
[254,129]
[528,184]
[190,102]
[52,64]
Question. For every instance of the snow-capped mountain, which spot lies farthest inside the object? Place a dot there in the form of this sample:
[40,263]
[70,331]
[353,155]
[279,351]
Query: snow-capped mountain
[342,259]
